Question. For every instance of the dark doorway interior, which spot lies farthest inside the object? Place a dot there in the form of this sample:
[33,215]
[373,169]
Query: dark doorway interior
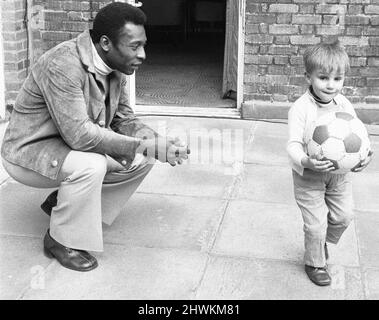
[185,54]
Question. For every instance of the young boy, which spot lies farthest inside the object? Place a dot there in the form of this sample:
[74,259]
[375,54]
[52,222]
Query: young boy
[325,199]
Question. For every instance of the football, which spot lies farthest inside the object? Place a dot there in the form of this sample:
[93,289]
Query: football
[340,138]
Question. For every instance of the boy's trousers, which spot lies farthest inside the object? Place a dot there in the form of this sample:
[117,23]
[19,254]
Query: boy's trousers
[326,203]
[93,188]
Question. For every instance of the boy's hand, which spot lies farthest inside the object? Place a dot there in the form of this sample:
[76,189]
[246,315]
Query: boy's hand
[365,162]
[317,165]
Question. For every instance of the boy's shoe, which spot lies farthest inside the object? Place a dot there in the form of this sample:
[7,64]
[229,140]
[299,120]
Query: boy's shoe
[319,276]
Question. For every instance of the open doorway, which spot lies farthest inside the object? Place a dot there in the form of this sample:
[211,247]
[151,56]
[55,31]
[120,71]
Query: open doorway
[185,54]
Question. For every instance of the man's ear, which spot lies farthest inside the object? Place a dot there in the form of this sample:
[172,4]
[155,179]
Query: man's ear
[105,43]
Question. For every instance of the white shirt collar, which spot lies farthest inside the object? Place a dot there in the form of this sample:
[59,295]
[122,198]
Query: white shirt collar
[100,66]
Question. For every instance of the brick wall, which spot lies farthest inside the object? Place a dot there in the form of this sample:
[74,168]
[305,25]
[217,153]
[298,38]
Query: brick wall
[31,27]
[277,32]
[62,20]
[15,46]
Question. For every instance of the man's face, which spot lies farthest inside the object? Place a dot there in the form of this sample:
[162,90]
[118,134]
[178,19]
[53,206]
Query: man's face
[326,85]
[128,54]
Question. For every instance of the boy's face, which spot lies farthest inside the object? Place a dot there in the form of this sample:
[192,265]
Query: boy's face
[326,85]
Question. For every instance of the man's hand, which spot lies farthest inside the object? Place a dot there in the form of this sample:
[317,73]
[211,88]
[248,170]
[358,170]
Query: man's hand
[177,151]
[365,162]
[317,165]
[165,149]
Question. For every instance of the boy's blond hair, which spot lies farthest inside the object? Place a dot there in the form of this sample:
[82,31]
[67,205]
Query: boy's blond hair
[327,57]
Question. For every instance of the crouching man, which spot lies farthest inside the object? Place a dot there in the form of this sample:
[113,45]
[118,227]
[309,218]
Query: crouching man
[72,129]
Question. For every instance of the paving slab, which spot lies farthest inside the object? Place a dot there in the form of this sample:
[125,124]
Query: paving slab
[160,221]
[367,225]
[271,129]
[371,277]
[261,230]
[260,279]
[189,180]
[267,150]
[271,184]
[3,173]
[374,164]
[20,210]
[22,265]
[127,273]
[212,141]
[274,231]
[365,190]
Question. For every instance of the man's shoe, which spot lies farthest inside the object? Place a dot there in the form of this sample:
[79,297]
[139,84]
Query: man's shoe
[319,276]
[78,260]
[50,202]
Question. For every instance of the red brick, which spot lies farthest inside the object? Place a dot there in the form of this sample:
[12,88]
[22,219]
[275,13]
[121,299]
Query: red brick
[296,60]
[253,38]
[284,18]
[252,7]
[263,28]
[55,15]
[281,39]
[74,26]
[304,40]
[370,71]
[282,49]
[281,59]
[307,8]
[306,19]
[374,41]
[354,31]
[371,9]
[355,9]
[261,18]
[357,19]
[307,29]
[55,35]
[259,59]
[328,30]
[329,9]
[297,80]
[330,19]
[358,62]
[249,49]
[373,61]
[375,20]
[252,28]
[283,29]
[355,81]
[370,31]
[355,41]
[282,8]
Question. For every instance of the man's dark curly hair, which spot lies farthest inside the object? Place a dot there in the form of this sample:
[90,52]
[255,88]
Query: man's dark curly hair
[112,18]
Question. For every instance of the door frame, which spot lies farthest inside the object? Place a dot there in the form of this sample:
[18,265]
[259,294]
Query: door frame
[2,77]
[131,83]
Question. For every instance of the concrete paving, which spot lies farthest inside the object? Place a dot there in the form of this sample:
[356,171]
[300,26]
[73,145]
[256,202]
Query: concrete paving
[224,225]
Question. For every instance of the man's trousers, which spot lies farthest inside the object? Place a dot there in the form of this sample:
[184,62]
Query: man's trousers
[93,188]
